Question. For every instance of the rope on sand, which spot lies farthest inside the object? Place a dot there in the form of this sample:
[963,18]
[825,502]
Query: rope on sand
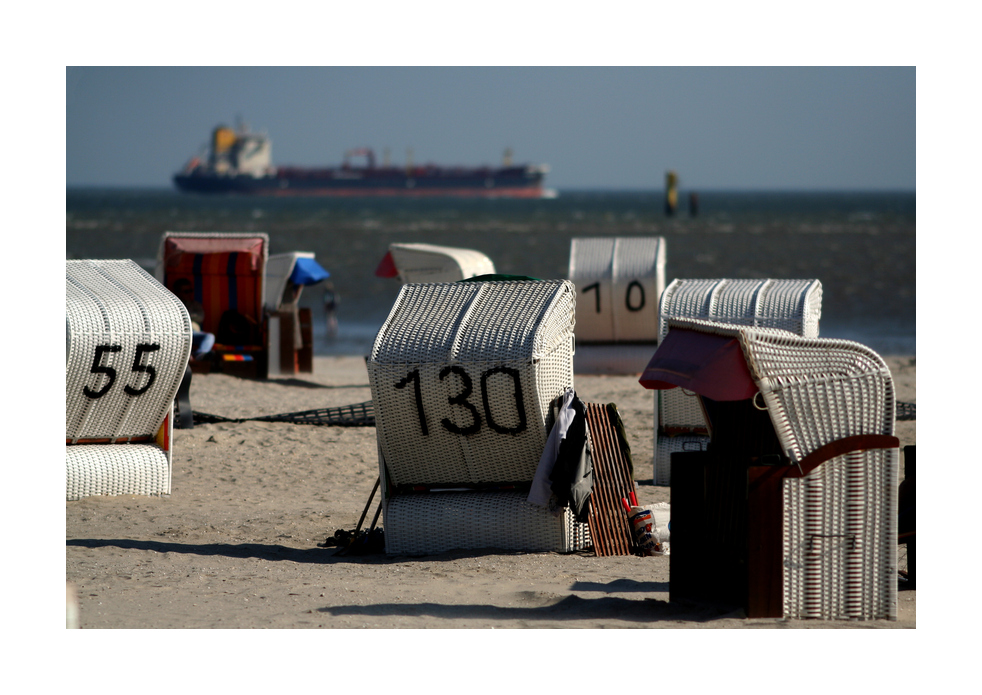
[906,411]
[357,415]
[363,415]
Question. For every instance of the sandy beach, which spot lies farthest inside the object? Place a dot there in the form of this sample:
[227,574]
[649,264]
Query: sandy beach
[235,545]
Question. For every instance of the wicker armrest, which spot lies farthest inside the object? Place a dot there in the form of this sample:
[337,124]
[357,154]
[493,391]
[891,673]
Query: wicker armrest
[860,442]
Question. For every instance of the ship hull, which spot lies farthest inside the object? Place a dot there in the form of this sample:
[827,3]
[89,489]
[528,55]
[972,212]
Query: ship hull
[313,184]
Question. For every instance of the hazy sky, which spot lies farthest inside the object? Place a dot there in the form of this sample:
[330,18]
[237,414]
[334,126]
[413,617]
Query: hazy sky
[597,127]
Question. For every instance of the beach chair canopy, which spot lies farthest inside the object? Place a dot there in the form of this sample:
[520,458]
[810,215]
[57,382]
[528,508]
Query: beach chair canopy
[227,271]
[815,390]
[283,269]
[463,375]
[791,305]
[430,263]
[128,343]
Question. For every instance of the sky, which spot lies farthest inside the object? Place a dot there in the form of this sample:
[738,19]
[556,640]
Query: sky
[736,128]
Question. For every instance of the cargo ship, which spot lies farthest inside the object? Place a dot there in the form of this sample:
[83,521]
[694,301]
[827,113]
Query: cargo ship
[241,162]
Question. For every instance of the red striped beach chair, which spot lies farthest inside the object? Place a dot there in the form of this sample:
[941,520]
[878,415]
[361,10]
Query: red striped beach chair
[227,271]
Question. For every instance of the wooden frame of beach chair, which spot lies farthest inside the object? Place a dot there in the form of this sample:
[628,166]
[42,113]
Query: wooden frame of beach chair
[227,271]
[791,305]
[619,282]
[462,378]
[420,263]
[127,347]
[793,509]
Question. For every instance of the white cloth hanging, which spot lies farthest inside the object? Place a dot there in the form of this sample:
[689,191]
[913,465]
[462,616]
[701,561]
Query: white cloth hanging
[541,486]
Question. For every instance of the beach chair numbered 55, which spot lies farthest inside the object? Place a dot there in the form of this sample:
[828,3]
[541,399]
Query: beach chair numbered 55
[127,348]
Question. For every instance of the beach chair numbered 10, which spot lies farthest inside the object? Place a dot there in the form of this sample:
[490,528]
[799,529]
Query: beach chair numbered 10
[127,348]
[619,281]
[462,377]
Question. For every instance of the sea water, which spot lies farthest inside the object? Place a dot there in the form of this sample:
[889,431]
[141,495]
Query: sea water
[860,245]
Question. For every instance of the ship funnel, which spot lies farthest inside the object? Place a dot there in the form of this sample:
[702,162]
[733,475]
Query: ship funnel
[222,139]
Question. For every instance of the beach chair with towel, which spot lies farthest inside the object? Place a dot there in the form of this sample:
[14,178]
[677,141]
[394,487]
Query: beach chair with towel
[619,282]
[127,349]
[792,509]
[227,271]
[791,305]
[417,263]
[463,376]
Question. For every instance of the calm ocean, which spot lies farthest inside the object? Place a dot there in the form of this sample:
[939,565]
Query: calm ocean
[862,246]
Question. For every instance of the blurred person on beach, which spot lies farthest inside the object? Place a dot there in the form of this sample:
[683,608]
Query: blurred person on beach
[201,342]
[331,301]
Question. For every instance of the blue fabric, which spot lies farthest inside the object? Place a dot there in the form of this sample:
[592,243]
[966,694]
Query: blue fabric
[307,271]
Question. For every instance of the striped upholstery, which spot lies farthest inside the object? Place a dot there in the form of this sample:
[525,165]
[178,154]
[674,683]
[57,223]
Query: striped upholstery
[226,269]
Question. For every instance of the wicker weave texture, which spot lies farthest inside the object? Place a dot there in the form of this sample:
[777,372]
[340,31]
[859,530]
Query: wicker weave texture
[430,523]
[426,263]
[840,539]
[790,305]
[462,375]
[128,343]
[819,390]
[619,282]
[665,446]
[116,469]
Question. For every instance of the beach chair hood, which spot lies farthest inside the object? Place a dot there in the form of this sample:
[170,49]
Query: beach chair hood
[801,381]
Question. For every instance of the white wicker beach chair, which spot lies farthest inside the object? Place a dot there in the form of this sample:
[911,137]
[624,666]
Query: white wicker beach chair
[619,281]
[127,348]
[791,305]
[821,525]
[462,378]
[418,263]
